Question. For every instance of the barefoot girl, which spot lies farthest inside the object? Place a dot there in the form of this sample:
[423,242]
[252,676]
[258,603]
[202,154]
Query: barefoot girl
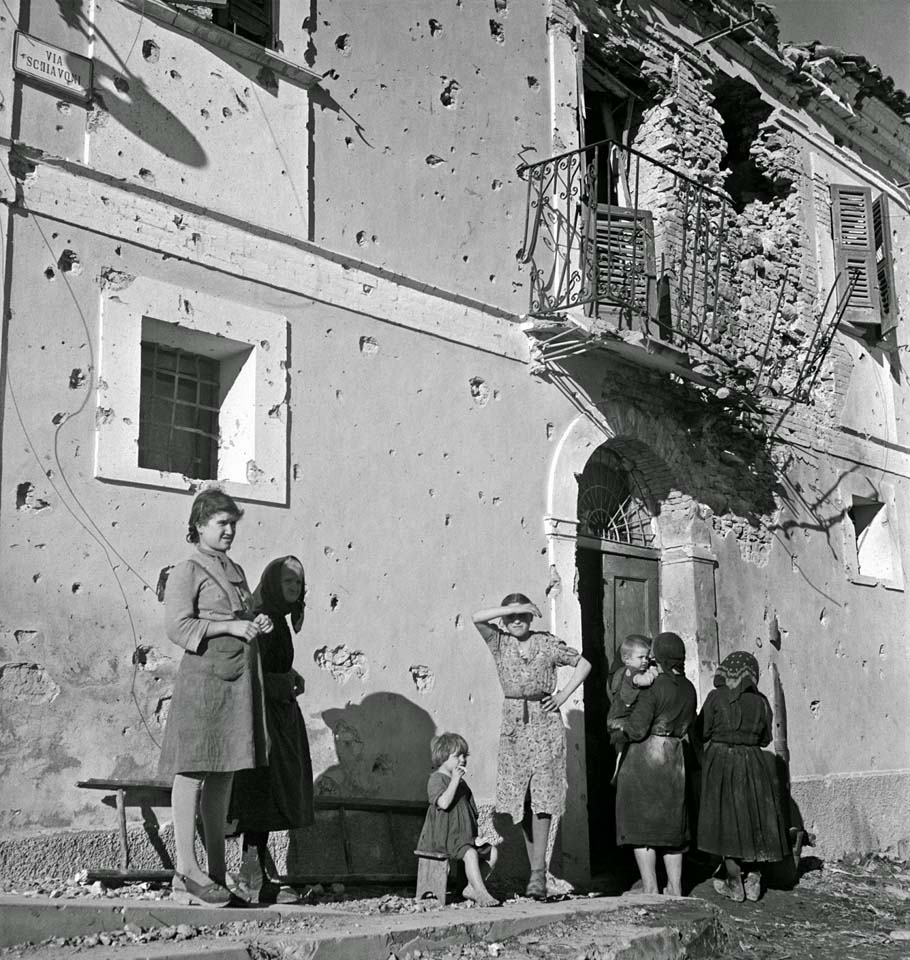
[531,779]
[451,823]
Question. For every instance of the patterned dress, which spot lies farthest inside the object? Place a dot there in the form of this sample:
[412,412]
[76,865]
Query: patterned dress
[532,742]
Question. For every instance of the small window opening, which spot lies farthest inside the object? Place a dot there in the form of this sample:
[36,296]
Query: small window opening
[253,19]
[742,113]
[874,556]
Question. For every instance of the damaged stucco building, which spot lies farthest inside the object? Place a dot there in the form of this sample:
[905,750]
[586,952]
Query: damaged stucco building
[602,301]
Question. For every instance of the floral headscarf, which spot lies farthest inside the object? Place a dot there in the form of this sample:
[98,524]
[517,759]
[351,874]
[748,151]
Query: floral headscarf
[738,672]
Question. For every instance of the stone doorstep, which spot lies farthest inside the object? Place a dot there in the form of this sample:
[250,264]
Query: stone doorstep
[676,929]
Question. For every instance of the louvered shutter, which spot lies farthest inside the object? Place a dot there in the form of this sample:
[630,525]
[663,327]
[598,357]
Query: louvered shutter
[854,252]
[626,276]
[884,264]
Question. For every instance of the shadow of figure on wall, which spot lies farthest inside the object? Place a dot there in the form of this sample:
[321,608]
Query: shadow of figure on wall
[382,745]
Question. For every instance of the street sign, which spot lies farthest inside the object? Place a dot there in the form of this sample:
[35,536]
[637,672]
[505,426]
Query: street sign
[52,65]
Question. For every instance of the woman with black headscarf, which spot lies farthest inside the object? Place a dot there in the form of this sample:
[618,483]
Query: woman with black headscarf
[651,811]
[741,817]
[280,796]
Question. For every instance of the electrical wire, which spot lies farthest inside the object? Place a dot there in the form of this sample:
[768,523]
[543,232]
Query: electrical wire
[88,524]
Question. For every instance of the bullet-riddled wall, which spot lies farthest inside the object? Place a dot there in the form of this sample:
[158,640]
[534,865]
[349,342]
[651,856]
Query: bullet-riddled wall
[357,239]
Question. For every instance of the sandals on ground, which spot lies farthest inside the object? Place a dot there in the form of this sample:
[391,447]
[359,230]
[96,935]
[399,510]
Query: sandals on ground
[188,892]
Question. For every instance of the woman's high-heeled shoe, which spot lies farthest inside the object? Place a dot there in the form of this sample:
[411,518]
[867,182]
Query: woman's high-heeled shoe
[188,892]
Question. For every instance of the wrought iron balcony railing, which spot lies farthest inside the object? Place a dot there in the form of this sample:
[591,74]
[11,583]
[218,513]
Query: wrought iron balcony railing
[629,239]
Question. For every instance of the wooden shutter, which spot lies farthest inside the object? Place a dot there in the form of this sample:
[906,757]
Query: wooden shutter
[252,19]
[626,274]
[884,263]
[854,252]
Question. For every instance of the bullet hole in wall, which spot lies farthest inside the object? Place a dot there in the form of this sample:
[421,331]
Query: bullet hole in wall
[140,655]
[501,6]
[69,262]
[480,391]
[369,347]
[343,44]
[774,633]
[434,161]
[160,587]
[496,31]
[343,664]
[26,499]
[76,588]
[423,677]
[449,96]
[146,175]
[50,274]
[435,27]
[533,84]
[121,85]
[150,51]
[361,238]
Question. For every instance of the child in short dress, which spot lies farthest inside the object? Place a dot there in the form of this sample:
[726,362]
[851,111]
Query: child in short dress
[531,777]
[451,823]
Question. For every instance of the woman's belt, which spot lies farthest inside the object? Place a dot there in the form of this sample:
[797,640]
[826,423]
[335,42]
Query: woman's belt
[530,698]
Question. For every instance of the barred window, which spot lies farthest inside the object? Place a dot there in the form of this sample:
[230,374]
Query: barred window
[611,503]
[178,411]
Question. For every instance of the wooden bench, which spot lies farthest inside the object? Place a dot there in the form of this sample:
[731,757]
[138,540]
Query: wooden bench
[147,794]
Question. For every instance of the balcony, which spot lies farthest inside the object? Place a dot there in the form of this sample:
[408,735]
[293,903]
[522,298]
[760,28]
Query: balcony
[631,256]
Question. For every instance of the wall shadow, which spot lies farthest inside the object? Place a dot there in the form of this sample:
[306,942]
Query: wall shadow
[382,745]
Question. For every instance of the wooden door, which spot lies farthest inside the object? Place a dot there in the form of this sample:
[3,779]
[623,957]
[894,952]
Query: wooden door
[618,595]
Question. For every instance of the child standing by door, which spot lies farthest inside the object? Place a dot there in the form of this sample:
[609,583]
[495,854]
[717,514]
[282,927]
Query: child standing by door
[531,776]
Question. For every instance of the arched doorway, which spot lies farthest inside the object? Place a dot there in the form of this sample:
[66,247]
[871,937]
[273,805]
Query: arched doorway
[618,564]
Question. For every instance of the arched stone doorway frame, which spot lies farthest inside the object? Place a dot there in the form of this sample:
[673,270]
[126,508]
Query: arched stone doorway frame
[687,563]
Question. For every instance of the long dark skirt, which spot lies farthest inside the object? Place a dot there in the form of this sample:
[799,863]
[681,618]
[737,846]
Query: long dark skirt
[279,796]
[741,815]
[651,795]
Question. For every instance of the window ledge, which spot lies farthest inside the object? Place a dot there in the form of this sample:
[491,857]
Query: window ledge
[162,12]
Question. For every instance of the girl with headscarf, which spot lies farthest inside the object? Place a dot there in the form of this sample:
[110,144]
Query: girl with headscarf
[741,817]
[651,809]
[279,796]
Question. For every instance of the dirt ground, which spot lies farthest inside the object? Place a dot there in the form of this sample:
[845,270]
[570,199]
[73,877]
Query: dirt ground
[840,911]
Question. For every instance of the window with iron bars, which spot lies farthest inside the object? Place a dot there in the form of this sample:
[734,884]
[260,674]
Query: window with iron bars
[178,412]
[254,19]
